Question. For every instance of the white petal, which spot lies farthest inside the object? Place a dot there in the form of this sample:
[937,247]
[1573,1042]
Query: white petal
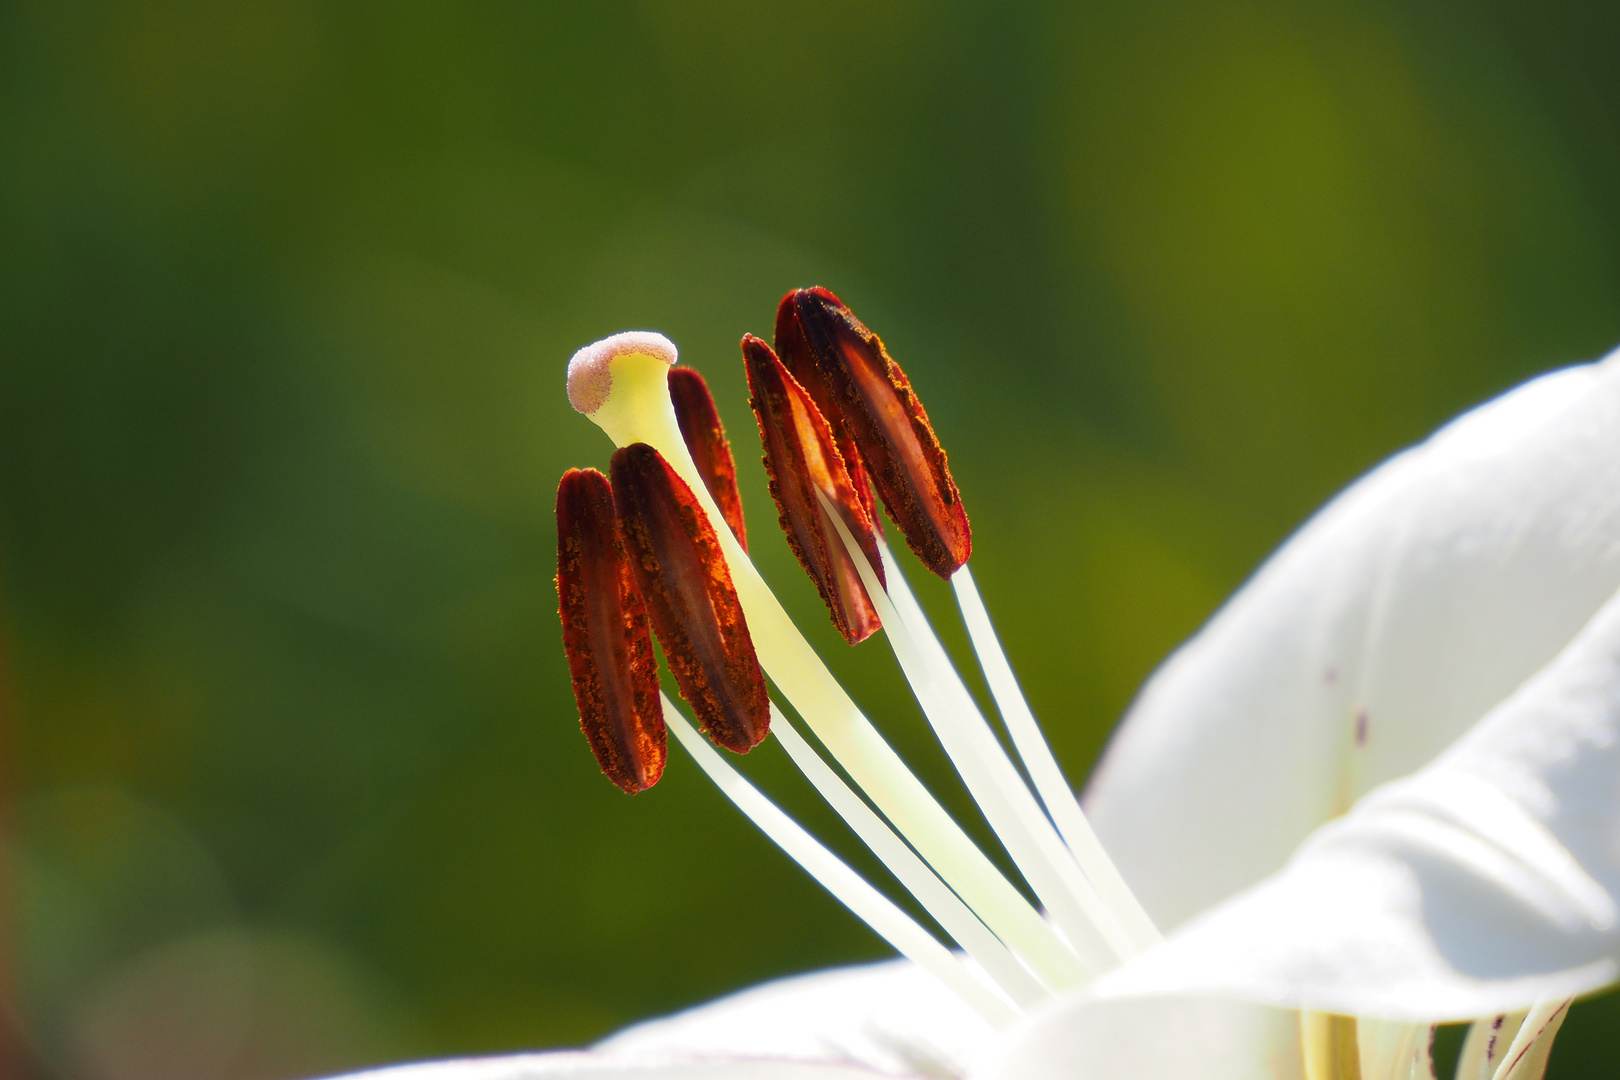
[1152,1039]
[890,1016]
[589,1066]
[1480,885]
[1416,601]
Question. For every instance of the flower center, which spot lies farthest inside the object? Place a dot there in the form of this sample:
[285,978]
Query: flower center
[838,417]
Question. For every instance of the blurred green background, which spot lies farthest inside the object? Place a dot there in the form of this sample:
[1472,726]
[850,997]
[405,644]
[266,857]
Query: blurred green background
[286,291]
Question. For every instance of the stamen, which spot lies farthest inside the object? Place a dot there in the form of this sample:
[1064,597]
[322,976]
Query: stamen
[850,889]
[638,410]
[1028,834]
[604,622]
[793,349]
[913,874]
[1007,805]
[695,610]
[706,439]
[874,397]
[802,461]
[1056,795]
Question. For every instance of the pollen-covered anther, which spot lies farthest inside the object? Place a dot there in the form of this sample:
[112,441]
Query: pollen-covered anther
[705,439]
[605,635]
[793,350]
[693,605]
[873,397]
[802,459]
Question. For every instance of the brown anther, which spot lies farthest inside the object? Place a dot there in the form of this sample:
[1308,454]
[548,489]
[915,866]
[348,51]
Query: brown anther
[694,608]
[891,430]
[706,440]
[793,349]
[802,460]
[605,634]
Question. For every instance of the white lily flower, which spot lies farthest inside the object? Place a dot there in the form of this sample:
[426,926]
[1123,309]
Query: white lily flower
[1378,791]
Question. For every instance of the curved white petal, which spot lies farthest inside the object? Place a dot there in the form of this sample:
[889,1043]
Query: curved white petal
[590,1066]
[1406,609]
[891,1016]
[1163,1038]
[1481,884]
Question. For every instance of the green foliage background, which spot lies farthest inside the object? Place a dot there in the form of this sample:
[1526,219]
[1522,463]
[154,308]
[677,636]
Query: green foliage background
[286,291]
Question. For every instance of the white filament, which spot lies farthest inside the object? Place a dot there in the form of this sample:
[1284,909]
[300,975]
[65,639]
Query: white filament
[638,409]
[1055,793]
[1006,803]
[944,906]
[848,887]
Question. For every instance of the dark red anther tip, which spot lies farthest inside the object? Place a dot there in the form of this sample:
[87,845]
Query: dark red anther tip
[803,463]
[692,603]
[706,440]
[865,388]
[793,349]
[605,634]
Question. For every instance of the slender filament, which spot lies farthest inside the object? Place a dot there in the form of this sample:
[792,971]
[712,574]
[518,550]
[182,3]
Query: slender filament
[1033,751]
[944,906]
[639,410]
[848,887]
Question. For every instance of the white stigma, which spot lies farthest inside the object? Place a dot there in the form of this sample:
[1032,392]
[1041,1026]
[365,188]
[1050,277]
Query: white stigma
[590,372]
